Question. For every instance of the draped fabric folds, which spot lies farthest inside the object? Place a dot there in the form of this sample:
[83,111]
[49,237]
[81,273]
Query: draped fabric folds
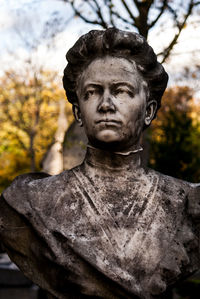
[78,234]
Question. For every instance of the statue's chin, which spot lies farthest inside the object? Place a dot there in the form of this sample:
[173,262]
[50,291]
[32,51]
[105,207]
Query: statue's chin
[111,144]
[108,136]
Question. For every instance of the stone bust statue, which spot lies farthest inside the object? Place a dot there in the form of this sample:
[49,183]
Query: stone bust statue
[108,228]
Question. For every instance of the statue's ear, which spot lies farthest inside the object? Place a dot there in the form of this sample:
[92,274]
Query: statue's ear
[77,114]
[150,112]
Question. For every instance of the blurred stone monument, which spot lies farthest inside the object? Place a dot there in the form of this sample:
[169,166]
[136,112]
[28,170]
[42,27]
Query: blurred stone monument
[53,161]
[74,146]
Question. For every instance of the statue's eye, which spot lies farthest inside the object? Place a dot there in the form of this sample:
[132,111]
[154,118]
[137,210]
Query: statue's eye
[121,91]
[89,93]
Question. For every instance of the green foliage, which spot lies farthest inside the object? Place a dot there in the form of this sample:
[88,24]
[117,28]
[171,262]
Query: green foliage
[175,136]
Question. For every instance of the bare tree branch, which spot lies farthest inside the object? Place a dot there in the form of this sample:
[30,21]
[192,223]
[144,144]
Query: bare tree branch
[162,9]
[128,10]
[141,21]
[110,5]
[167,51]
[98,11]
[100,19]
[123,19]
[175,16]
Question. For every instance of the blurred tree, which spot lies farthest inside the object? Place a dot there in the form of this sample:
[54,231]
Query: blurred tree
[175,136]
[138,14]
[29,108]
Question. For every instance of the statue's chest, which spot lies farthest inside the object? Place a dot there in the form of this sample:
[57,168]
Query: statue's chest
[120,216]
[122,202]
[121,223]
[124,228]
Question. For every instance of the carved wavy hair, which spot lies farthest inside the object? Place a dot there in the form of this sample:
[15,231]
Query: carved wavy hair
[117,43]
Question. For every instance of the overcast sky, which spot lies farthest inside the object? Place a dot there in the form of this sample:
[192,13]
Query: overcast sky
[22,24]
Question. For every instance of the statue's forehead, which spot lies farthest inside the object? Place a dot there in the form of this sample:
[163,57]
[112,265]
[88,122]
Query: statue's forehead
[110,69]
[115,61]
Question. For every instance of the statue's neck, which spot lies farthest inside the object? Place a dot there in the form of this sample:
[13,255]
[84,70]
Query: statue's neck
[113,161]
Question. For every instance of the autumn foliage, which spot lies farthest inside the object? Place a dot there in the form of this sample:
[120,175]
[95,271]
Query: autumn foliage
[29,107]
[175,135]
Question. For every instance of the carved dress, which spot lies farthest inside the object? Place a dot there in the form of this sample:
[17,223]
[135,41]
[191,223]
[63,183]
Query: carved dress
[111,230]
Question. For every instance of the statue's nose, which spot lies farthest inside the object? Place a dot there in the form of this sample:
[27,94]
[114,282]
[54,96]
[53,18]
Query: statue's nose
[106,103]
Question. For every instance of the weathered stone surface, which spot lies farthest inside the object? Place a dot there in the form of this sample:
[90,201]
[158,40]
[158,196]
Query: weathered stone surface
[108,228]
[91,240]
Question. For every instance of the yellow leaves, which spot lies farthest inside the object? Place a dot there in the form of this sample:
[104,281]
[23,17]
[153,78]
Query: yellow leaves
[195,113]
[46,93]
[10,136]
[28,104]
[11,165]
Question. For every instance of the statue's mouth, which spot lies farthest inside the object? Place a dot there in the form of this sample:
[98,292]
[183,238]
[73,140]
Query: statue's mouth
[109,121]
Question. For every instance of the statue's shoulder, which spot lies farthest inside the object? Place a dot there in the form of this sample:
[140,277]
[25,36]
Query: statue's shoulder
[179,187]
[166,182]
[171,189]
[35,190]
[22,181]
[178,192]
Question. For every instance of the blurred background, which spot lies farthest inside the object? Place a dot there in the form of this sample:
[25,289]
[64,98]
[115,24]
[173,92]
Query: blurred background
[37,128]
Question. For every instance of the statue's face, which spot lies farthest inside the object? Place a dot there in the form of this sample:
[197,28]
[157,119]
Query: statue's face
[112,104]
